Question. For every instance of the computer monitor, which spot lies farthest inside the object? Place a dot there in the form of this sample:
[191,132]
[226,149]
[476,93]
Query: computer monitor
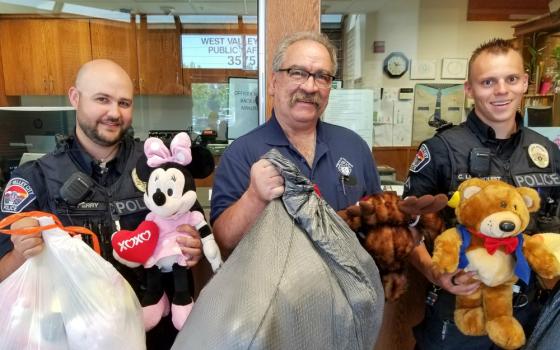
[40,143]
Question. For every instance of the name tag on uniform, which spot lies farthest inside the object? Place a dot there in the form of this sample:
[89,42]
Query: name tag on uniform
[91,206]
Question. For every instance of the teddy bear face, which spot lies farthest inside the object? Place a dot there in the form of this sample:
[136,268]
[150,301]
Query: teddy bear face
[169,191]
[495,208]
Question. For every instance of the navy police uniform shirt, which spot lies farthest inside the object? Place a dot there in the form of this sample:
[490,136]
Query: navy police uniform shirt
[430,172]
[26,190]
[343,169]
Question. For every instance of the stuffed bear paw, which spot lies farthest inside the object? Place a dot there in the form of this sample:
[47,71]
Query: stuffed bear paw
[543,254]
[470,321]
[506,332]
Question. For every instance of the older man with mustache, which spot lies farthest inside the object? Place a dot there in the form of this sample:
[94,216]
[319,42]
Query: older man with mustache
[334,158]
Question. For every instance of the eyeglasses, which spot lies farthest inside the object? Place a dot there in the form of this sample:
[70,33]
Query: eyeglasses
[300,76]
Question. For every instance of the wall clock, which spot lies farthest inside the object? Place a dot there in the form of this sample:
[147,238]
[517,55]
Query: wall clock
[395,64]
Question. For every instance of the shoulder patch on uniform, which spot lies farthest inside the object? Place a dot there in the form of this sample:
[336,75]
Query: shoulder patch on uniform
[17,195]
[421,160]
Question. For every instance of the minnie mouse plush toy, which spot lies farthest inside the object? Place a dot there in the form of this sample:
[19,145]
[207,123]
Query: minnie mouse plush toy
[170,195]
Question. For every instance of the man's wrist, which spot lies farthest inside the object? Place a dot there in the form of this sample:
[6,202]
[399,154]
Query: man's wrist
[253,199]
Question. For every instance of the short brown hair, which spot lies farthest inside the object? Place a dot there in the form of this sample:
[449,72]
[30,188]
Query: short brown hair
[494,46]
[299,36]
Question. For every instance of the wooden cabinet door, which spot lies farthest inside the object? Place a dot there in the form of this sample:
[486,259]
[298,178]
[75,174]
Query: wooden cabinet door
[42,56]
[24,57]
[159,62]
[116,41]
[68,48]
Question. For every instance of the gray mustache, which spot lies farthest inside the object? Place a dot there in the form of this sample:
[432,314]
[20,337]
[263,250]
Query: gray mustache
[311,98]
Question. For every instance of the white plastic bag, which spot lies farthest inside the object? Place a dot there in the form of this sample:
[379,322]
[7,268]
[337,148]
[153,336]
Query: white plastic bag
[68,297]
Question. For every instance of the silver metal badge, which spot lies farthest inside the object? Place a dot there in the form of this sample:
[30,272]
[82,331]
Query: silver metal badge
[539,155]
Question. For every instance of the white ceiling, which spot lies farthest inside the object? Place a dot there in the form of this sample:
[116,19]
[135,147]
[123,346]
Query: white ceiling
[187,7]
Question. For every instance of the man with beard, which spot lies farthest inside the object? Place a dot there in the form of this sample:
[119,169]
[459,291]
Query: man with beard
[335,159]
[104,198]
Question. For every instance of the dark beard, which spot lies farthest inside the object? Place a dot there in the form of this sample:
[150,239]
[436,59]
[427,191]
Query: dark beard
[97,138]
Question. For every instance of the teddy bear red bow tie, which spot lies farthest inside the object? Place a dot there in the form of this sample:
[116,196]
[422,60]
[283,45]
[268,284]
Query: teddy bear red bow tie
[492,244]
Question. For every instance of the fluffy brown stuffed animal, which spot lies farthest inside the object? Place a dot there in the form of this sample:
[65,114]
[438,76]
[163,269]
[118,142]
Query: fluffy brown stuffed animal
[384,219]
[492,216]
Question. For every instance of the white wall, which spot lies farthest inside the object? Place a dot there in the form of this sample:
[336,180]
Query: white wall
[445,32]
[422,29]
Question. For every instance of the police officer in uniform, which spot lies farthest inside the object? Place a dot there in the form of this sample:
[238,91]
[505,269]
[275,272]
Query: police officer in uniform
[87,181]
[492,143]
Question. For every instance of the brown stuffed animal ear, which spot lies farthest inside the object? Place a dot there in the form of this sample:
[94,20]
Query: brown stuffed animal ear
[413,205]
[530,197]
[202,163]
[352,217]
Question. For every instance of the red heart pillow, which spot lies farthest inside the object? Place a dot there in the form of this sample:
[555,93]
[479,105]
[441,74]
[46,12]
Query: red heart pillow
[138,245]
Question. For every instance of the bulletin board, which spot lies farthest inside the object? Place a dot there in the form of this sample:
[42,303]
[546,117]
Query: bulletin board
[435,105]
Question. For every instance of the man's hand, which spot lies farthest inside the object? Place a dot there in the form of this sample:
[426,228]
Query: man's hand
[458,282]
[30,245]
[190,244]
[266,182]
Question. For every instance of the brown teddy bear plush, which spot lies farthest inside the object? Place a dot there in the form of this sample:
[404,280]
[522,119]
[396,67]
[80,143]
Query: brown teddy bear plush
[488,240]
[384,221]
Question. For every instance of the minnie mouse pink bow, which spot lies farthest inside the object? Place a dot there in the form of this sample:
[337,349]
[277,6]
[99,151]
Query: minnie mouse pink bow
[158,154]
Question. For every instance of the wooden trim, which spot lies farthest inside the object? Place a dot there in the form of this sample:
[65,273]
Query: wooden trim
[285,17]
[545,23]
[6,100]
[505,10]
[398,158]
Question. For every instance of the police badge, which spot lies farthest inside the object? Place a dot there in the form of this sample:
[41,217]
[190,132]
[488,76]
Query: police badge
[539,155]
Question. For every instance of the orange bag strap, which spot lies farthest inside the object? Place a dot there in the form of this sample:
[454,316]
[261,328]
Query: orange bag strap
[72,230]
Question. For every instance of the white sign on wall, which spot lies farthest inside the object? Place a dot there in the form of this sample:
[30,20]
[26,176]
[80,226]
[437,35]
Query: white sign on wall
[243,106]
[353,109]
[219,51]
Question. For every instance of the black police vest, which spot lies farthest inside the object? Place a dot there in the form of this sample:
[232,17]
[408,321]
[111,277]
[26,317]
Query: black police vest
[518,170]
[106,208]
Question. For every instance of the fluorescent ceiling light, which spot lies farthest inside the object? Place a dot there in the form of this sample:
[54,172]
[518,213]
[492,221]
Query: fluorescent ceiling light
[38,4]
[193,19]
[89,11]
[331,18]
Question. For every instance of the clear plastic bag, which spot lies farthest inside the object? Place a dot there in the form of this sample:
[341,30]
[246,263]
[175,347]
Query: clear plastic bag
[67,297]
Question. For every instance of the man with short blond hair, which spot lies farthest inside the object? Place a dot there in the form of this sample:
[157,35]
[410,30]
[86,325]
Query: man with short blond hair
[492,143]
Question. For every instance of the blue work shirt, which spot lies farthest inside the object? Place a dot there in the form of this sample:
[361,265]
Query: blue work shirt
[343,169]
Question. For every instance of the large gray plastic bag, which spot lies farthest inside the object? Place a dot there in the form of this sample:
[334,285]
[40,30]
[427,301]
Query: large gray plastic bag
[299,279]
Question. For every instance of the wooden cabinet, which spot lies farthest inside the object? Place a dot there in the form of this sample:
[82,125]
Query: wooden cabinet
[159,61]
[398,158]
[116,41]
[42,56]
